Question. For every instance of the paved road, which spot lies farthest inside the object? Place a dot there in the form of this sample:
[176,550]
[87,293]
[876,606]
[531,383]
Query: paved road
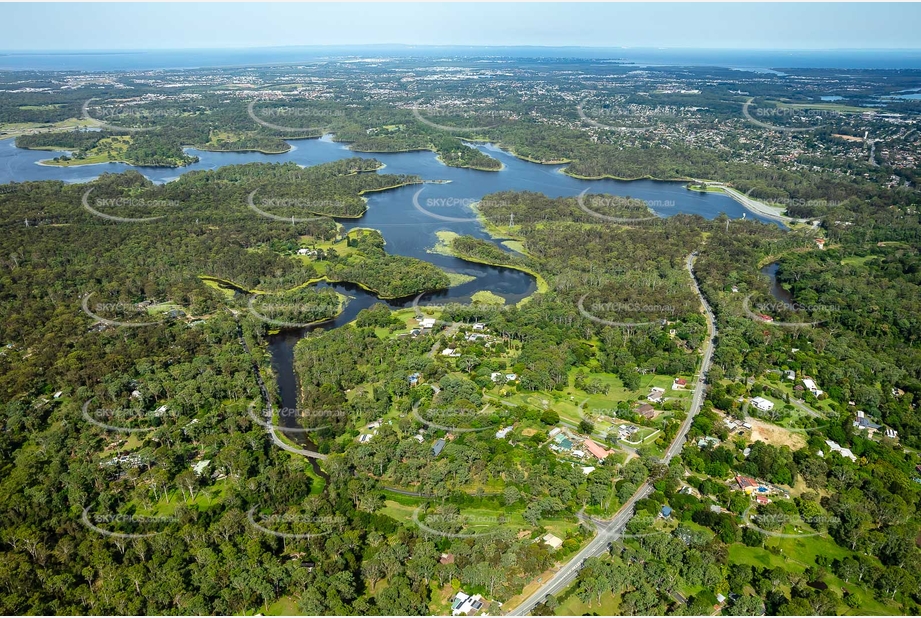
[756,206]
[609,530]
[268,402]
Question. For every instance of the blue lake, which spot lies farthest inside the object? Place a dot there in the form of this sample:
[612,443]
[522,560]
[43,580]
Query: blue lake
[407,230]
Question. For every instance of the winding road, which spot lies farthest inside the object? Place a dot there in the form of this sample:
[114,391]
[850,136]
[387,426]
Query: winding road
[609,530]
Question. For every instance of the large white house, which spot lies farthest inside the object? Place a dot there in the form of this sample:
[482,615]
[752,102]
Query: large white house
[464,603]
[763,404]
[811,387]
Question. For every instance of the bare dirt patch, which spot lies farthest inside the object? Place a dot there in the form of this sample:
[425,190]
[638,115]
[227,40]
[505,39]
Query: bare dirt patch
[774,435]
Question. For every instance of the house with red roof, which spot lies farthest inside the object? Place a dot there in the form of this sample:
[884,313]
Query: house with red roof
[596,450]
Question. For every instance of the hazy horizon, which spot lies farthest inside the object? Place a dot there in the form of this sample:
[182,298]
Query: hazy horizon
[76,27]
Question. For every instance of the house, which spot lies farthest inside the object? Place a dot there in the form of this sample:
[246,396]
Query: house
[666,512]
[450,352]
[58,394]
[715,508]
[427,323]
[790,375]
[500,435]
[554,431]
[479,326]
[891,433]
[553,541]
[588,469]
[844,452]
[708,441]
[763,404]
[446,559]
[735,289]
[762,500]
[375,424]
[563,443]
[438,447]
[199,466]
[747,484]
[811,387]
[463,603]
[679,383]
[720,599]
[862,422]
[365,437]
[656,394]
[596,450]
[820,243]
[578,454]
[765,318]
[646,411]
[414,379]
[419,438]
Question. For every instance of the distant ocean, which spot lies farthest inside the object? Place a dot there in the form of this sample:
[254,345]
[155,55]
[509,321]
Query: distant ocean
[196,58]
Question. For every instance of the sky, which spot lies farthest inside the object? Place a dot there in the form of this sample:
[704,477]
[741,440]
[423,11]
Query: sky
[123,26]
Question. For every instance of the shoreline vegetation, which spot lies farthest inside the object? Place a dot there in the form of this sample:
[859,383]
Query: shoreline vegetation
[753,206]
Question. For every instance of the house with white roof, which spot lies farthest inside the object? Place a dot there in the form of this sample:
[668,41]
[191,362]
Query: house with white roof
[844,452]
[552,540]
[763,404]
[463,603]
[811,387]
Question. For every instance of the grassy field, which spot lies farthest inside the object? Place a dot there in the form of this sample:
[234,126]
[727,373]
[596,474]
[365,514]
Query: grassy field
[404,509]
[14,129]
[798,554]
[108,150]
[609,606]
[855,260]
[485,297]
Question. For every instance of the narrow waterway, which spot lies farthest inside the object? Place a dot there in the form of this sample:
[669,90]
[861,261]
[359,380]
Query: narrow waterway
[777,291]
